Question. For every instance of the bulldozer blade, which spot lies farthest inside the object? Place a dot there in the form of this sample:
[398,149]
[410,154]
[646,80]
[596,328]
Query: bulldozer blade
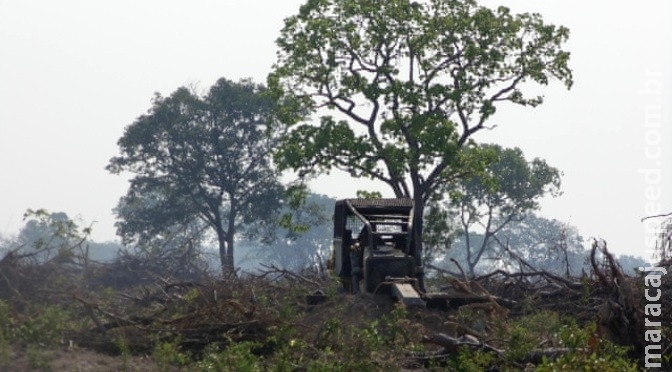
[407,294]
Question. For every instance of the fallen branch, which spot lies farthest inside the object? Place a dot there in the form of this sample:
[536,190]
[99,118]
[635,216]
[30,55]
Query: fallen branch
[537,356]
[442,271]
[464,275]
[452,344]
[277,270]
[568,283]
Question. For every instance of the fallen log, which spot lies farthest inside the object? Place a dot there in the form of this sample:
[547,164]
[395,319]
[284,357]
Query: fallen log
[451,345]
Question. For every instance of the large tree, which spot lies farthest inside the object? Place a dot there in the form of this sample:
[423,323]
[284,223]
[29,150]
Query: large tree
[200,157]
[402,86]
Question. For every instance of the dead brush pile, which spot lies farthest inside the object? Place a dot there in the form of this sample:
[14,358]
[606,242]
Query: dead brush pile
[280,320]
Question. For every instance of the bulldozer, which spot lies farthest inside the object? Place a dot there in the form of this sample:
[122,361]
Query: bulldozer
[374,249]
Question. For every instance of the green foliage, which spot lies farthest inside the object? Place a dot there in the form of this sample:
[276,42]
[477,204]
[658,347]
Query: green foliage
[39,328]
[589,352]
[344,334]
[168,354]
[527,333]
[7,327]
[48,236]
[296,249]
[605,357]
[6,331]
[471,361]
[439,231]
[504,192]
[329,336]
[200,158]
[235,357]
[521,341]
[409,84]
[39,358]
[365,347]
[56,225]
[122,347]
[44,325]
[302,211]
[573,336]
[363,194]
[510,184]
[401,88]
[5,351]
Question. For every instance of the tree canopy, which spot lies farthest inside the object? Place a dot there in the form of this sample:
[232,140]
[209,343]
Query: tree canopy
[402,86]
[509,186]
[506,191]
[414,80]
[200,157]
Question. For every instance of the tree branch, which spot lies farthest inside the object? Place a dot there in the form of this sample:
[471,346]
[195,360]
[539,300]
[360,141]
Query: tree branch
[655,216]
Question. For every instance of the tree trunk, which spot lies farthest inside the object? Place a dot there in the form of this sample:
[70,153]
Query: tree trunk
[472,268]
[223,254]
[418,218]
[229,263]
[227,258]
[225,242]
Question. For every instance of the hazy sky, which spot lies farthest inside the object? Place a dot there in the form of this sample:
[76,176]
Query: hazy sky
[73,74]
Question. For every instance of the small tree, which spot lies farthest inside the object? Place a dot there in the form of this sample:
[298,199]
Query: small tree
[48,236]
[203,158]
[51,250]
[546,244]
[505,192]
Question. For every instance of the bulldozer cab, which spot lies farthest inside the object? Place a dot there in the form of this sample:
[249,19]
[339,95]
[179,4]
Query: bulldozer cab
[373,243]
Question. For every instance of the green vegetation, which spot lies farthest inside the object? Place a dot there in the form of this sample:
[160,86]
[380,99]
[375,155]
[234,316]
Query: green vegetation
[401,89]
[396,91]
[201,162]
[263,322]
[345,333]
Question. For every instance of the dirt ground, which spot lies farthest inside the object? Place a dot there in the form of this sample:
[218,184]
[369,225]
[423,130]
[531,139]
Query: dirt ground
[73,359]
